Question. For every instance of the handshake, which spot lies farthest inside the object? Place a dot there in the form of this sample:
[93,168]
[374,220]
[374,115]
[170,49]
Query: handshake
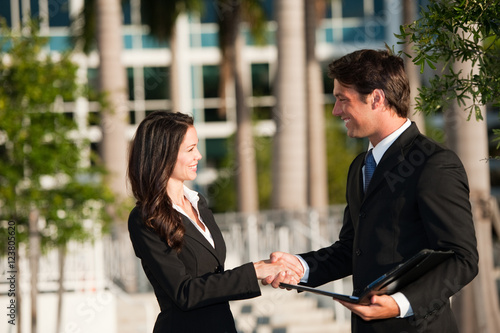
[281,267]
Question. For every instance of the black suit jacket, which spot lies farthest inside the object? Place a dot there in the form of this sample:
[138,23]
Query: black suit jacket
[418,198]
[192,287]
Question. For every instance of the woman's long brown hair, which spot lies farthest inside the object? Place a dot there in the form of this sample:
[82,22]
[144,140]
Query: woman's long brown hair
[152,158]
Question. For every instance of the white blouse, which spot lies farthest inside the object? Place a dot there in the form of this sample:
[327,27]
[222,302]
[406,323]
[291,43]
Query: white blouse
[193,198]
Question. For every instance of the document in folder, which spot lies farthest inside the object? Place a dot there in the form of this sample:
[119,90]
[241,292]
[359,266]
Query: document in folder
[390,282]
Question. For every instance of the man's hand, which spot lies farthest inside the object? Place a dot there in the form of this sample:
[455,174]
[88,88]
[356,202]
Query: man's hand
[381,307]
[293,265]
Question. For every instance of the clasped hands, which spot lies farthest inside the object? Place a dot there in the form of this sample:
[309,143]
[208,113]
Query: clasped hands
[287,268]
[281,267]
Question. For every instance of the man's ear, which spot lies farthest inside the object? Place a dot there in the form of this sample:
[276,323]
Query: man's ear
[378,98]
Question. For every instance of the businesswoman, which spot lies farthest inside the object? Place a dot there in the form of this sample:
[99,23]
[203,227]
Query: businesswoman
[175,235]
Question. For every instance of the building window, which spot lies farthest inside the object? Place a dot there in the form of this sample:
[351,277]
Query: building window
[156,85]
[59,13]
[261,85]
[211,77]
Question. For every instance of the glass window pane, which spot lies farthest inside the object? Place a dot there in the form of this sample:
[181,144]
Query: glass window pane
[92,84]
[211,81]
[211,114]
[216,150]
[156,85]
[59,13]
[5,13]
[211,11]
[260,80]
[34,7]
[352,8]
[127,15]
[131,87]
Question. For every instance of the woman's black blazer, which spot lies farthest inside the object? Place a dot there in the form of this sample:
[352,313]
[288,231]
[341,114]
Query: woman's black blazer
[192,287]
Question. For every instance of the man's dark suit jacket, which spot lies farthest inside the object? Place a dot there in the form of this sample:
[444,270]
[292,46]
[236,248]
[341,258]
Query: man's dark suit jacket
[418,198]
[192,287]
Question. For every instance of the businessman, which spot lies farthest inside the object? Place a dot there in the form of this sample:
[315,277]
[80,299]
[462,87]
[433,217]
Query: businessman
[405,194]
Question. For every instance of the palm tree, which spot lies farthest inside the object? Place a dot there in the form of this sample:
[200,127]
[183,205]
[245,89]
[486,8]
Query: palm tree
[317,172]
[290,158]
[409,15]
[113,86]
[470,140]
[232,77]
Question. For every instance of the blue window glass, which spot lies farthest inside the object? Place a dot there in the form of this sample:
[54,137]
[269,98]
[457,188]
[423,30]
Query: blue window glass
[211,11]
[354,35]
[150,42]
[260,80]
[59,43]
[34,7]
[374,31]
[5,13]
[127,15]
[156,85]
[328,35]
[59,13]
[211,81]
[378,6]
[209,39]
[352,8]
[216,148]
[127,42]
[131,87]
[269,9]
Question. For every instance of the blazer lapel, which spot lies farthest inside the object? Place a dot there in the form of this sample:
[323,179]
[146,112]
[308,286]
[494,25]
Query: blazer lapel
[194,233]
[191,231]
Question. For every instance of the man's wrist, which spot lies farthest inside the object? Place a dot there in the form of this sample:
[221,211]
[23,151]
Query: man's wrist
[405,309]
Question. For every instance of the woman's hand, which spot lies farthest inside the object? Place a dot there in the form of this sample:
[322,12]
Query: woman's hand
[288,269]
[280,270]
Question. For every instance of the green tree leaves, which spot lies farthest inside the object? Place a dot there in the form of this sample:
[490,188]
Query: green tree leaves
[41,164]
[457,31]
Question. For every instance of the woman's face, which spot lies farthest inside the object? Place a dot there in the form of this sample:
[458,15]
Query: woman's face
[188,157]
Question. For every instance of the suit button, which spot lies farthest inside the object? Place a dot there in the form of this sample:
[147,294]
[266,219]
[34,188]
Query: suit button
[358,252]
[218,269]
[362,214]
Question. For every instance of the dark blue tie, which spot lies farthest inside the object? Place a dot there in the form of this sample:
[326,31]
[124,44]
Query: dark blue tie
[370,165]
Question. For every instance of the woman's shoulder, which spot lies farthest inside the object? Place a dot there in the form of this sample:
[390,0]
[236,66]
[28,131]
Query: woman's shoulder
[135,218]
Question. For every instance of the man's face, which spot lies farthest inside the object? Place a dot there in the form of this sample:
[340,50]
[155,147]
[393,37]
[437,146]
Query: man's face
[358,115]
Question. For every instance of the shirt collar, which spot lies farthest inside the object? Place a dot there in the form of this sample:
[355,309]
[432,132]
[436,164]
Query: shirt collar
[192,196]
[380,149]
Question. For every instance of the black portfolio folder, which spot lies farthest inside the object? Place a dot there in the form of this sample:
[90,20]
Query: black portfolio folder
[390,282]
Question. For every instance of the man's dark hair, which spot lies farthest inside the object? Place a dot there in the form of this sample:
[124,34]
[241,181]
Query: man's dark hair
[367,70]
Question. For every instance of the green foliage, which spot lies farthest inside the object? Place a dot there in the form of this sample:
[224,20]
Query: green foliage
[40,147]
[457,31]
